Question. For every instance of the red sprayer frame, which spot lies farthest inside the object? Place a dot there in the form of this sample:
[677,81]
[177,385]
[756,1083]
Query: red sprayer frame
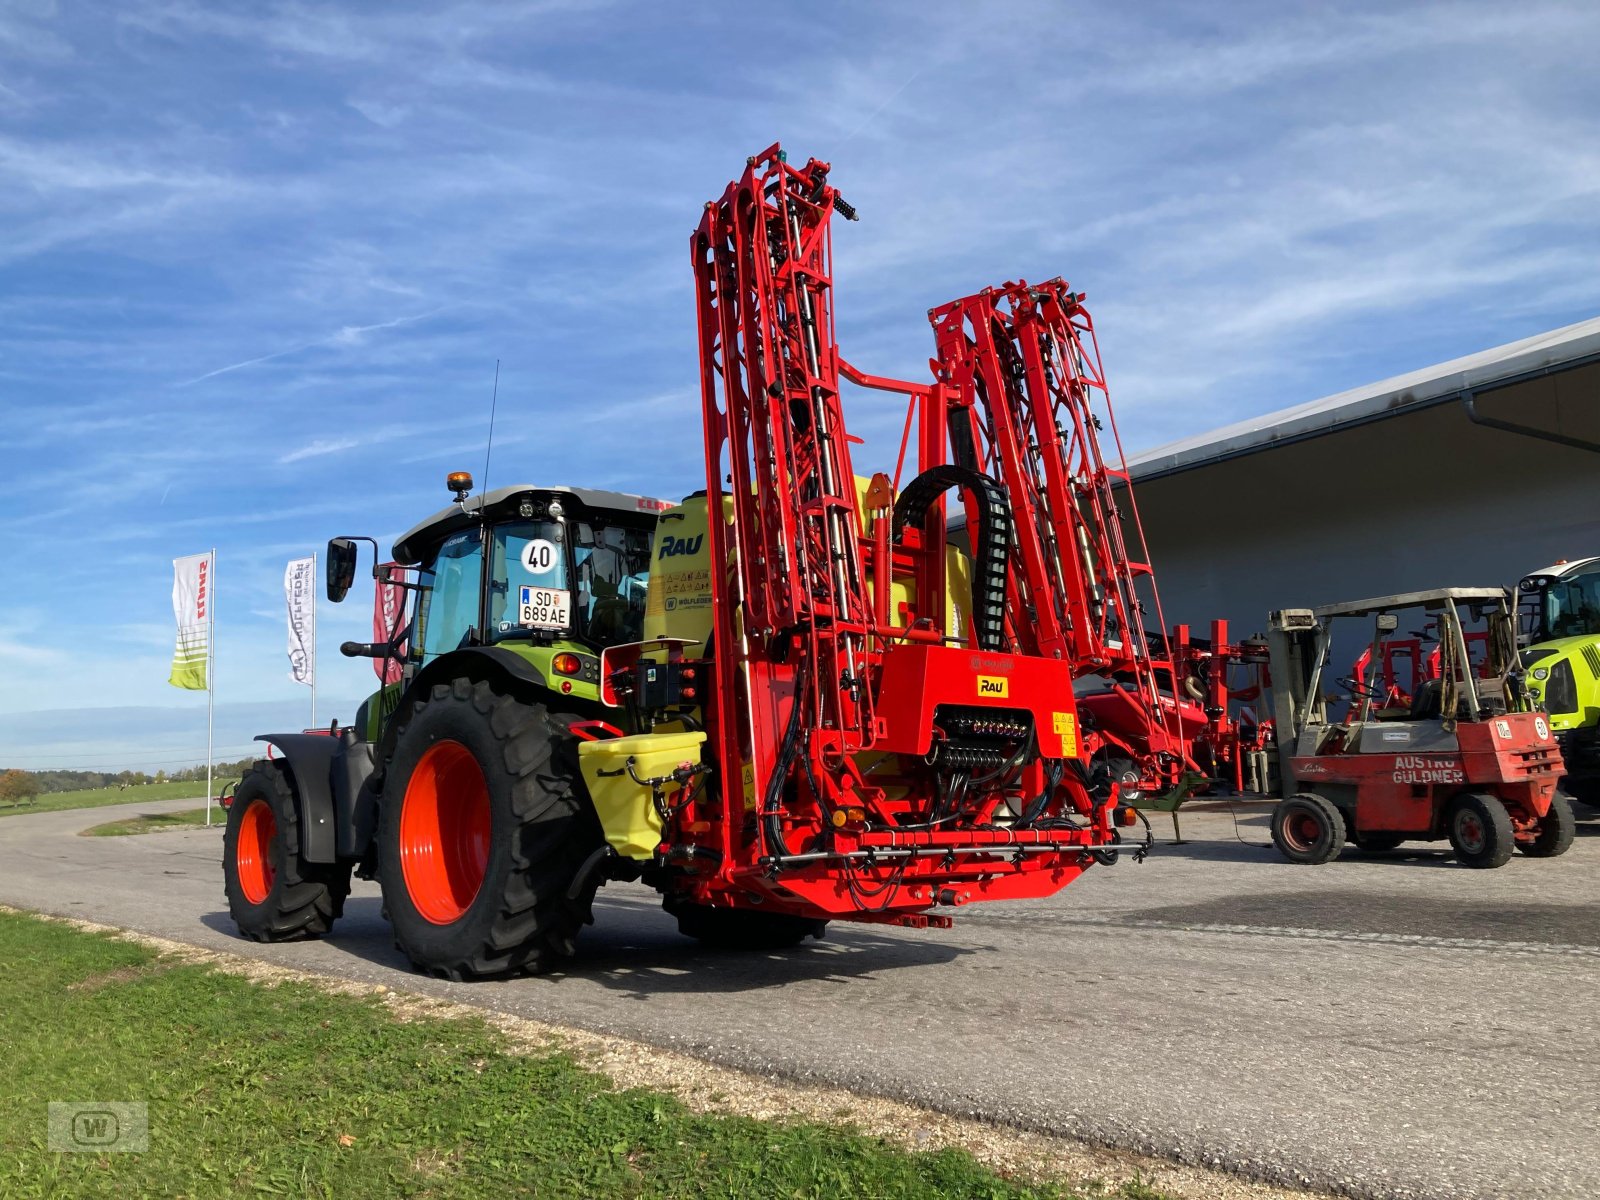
[870,762]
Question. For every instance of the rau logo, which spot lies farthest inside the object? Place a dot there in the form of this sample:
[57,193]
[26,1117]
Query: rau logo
[670,547]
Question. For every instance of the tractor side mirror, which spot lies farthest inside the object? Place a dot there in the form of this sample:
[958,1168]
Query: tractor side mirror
[341,568]
[1388,622]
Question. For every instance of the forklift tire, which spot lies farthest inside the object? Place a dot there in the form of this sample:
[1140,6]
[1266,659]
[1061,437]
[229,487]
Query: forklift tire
[273,894]
[1556,830]
[741,929]
[1377,843]
[482,828]
[1308,829]
[1480,830]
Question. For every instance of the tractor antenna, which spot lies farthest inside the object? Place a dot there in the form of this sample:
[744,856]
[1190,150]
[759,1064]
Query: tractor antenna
[494,399]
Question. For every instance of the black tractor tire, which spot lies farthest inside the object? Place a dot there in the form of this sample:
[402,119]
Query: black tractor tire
[273,894]
[1556,830]
[1480,830]
[1377,843]
[743,929]
[1308,829]
[512,824]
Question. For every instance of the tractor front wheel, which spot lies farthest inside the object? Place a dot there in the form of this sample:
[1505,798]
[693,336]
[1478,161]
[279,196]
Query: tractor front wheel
[483,826]
[1308,829]
[1556,830]
[1480,830]
[275,895]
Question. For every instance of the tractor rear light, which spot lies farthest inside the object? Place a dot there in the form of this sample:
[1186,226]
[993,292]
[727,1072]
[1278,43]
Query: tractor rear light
[566,687]
[1127,815]
[687,693]
[849,815]
[567,664]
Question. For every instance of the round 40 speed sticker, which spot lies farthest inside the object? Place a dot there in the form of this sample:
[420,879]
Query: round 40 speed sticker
[1541,728]
[540,556]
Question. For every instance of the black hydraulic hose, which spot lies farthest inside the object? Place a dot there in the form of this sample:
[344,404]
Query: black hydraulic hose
[991,548]
[1052,780]
[771,802]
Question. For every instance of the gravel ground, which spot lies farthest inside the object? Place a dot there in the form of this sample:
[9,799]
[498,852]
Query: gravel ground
[1382,1026]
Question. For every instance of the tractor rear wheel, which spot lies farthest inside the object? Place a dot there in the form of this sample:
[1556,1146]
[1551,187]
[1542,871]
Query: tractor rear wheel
[483,826]
[744,929]
[1480,830]
[1308,829]
[1377,843]
[275,895]
[1556,830]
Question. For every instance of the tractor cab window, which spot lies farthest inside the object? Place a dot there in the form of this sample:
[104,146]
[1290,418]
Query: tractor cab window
[613,565]
[528,586]
[1569,607]
[448,606]
[577,579]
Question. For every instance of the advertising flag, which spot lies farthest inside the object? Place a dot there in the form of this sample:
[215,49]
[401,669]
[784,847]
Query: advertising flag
[388,619]
[191,604]
[299,593]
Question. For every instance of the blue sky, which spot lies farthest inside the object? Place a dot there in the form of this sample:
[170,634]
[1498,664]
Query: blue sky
[259,260]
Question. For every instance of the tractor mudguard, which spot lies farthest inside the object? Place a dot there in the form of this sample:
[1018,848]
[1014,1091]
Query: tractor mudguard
[355,801]
[497,665]
[337,812]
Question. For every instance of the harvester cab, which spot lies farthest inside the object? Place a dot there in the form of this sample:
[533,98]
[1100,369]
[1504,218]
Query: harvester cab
[1560,609]
[1468,759]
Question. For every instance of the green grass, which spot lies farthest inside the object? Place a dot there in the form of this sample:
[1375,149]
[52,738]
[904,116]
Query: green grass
[154,822]
[98,797]
[289,1090]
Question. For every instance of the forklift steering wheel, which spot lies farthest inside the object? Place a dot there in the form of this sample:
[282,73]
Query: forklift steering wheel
[1360,690]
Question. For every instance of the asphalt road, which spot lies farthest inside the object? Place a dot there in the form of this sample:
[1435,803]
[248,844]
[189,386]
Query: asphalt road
[1385,1025]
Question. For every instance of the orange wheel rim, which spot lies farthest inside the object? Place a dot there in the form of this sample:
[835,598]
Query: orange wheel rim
[444,832]
[253,855]
[1303,830]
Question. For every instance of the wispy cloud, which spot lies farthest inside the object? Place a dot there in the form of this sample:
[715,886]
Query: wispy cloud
[347,335]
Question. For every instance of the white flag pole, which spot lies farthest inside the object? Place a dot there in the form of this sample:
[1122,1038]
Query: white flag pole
[313,639]
[211,676]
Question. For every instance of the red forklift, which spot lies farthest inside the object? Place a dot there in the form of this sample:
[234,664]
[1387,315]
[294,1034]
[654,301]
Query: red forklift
[1465,758]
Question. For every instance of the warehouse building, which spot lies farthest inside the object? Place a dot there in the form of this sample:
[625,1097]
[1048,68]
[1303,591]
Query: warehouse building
[1473,472]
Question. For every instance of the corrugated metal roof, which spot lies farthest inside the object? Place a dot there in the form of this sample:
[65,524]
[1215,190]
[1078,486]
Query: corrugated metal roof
[1390,397]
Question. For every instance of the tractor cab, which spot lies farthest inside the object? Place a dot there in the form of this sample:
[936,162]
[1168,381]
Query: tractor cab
[562,564]
[1561,601]
[547,576]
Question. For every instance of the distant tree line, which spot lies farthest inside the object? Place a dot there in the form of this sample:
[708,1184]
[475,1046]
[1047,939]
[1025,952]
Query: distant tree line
[18,785]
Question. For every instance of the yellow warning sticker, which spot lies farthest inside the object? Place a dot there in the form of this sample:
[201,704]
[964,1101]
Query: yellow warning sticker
[1067,726]
[995,687]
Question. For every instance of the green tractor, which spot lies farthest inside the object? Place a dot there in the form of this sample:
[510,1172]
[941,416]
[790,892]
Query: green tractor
[1560,609]
[516,594]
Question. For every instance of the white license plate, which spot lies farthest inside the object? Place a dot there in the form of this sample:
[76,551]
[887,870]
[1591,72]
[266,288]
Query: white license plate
[544,608]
